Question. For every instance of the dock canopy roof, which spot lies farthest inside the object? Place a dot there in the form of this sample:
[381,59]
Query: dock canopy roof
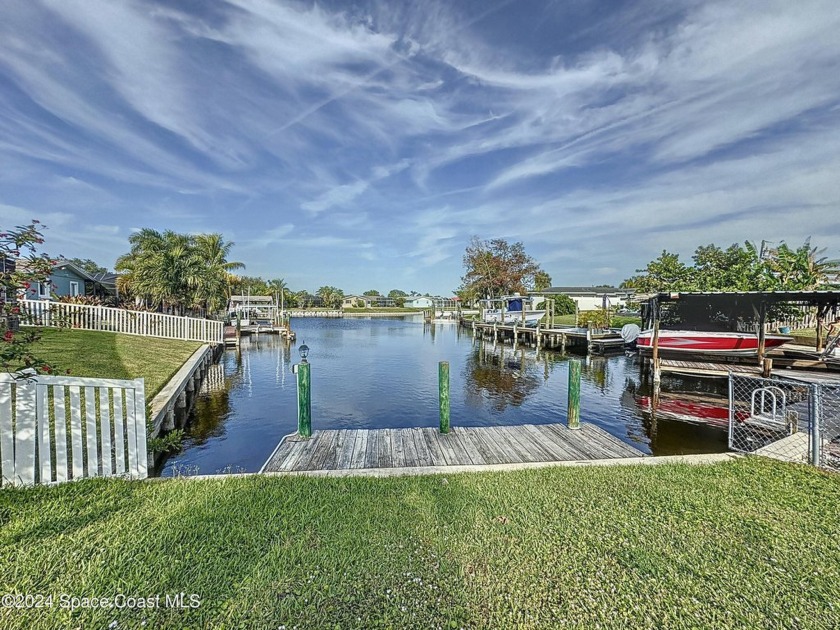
[804,298]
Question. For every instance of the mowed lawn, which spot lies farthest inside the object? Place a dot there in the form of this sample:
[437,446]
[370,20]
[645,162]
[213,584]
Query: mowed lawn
[112,355]
[744,544]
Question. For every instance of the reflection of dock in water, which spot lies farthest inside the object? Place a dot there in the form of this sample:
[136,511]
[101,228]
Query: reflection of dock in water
[422,449]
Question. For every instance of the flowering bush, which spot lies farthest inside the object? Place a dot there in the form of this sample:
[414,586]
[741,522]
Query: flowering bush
[20,266]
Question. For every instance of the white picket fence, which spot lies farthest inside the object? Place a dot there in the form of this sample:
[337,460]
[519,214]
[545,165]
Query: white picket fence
[55,429]
[47,313]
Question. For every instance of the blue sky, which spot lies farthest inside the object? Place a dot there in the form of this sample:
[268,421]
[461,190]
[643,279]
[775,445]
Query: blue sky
[362,144]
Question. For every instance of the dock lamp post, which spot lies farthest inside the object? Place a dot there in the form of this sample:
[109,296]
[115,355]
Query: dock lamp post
[304,393]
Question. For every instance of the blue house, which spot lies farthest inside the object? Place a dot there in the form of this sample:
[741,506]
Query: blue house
[67,279]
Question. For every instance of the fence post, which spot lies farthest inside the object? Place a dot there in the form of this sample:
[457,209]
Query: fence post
[574,394]
[443,390]
[304,400]
[816,447]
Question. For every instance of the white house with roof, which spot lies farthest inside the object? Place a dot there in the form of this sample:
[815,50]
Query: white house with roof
[591,298]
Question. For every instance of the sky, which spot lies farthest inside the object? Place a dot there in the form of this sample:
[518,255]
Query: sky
[362,144]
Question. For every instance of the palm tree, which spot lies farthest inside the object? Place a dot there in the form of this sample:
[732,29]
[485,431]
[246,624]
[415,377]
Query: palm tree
[802,268]
[212,290]
[177,271]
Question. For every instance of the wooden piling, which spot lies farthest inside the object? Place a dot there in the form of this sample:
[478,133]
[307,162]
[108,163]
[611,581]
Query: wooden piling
[443,391]
[574,394]
[304,400]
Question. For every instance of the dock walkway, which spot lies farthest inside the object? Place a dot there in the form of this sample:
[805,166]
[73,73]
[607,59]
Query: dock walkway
[364,449]
[591,340]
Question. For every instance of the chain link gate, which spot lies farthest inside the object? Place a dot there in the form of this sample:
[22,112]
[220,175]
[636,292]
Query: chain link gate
[786,419]
[828,410]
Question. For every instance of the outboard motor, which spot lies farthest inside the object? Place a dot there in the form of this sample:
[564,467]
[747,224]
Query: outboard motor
[630,334]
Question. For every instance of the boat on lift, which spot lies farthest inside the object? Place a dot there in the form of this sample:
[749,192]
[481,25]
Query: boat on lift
[731,344]
[513,309]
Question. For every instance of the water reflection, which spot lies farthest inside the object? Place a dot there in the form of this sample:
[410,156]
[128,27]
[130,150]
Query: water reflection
[500,375]
[382,372]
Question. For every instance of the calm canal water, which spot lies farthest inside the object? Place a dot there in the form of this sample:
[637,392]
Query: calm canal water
[382,372]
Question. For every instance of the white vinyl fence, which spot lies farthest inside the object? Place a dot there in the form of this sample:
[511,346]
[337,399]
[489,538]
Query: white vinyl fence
[55,428]
[47,313]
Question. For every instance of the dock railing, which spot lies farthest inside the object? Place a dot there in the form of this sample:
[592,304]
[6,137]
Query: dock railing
[103,318]
[787,419]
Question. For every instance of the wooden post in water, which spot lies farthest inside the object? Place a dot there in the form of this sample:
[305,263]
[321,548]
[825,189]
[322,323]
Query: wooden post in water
[762,333]
[655,343]
[767,367]
[574,394]
[443,390]
[304,400]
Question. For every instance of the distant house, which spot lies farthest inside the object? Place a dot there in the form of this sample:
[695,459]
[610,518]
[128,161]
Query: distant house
[366,301]
[590,298]
[68,280]
[419,301]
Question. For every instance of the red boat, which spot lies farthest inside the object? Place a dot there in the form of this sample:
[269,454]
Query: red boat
[716,415]
[701,342]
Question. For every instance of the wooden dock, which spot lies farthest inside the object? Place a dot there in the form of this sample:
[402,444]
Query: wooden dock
[587,339]
[424,448]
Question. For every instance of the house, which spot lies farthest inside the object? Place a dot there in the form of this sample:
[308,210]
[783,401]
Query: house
[367,301]
[590,298]
[68,280]
[419,301]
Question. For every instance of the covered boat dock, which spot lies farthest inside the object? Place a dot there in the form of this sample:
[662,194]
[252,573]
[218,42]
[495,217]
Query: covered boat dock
[745,310]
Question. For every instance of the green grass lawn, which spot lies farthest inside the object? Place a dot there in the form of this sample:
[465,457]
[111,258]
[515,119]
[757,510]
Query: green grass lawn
[111,355]
[744,544]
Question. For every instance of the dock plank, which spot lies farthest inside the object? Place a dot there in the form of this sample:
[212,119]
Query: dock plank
[348,449]
[331,462]
[487,450]
[307,448]
[409,448]
[445,442]
[346,454]
[471,446]
[430,436]
[384,455]
[357,459]
[372,449]
[505,449]
[424,456]
[397,449]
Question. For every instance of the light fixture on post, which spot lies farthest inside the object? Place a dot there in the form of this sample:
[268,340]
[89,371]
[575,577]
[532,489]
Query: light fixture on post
[304,392]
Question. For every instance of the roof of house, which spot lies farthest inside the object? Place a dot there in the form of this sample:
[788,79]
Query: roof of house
[594,290]
[252,299]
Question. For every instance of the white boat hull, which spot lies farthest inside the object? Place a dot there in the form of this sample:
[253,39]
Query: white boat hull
[509,318]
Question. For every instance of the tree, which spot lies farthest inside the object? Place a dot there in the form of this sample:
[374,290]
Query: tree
[666,273]
[212,286]
[177,271]
[398,297]
[802,269]
[495,268]
[331,296]
[371,293]
[88,266]
[541,281]
[564,305]
[738,268]
[20,266]
[733,269]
